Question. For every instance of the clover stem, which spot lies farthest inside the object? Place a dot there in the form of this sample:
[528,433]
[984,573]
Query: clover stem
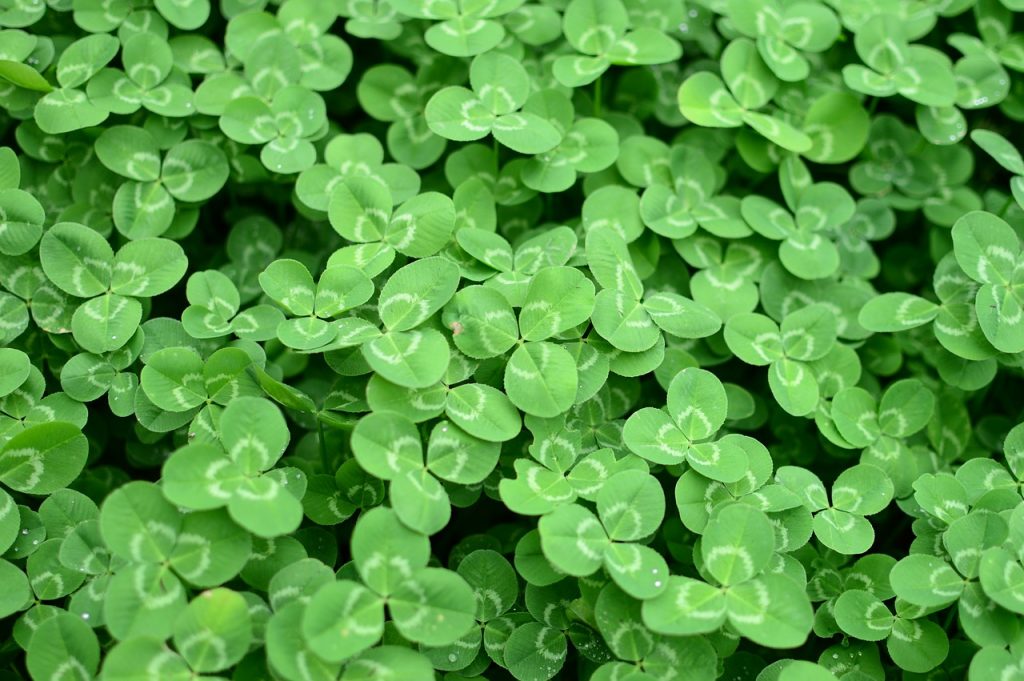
[949,619]
[1006,205]
[597,97]
[323,446]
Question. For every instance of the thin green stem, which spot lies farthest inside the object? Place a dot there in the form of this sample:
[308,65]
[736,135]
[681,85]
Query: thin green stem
[597,97]
[949,620]
[323,447]
[1006,205]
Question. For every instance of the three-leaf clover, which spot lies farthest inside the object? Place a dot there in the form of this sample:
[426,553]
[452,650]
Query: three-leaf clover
[462,29]
[989,252]
[149,80]
[284,124]
[600,31]
[236,471]
[859,491]
[919,73]
[428,605]
[494,106]
[784,31]
[916,644]
[560,472]
[81,263]
[311,305]
[388,446]
[155,547]
[737,548]
[630,507]
[144,205]
[214,306]
[879,426]
[748,87]
[803,336]
[817,209]
[696,408]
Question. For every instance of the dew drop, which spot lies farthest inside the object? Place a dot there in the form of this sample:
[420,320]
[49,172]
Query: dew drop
[113,338]
[24,531]
[34,542]
[657,584]
[85,615]
[451,657]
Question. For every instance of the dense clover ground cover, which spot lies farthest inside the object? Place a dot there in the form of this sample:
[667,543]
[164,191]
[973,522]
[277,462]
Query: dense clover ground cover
[610,340]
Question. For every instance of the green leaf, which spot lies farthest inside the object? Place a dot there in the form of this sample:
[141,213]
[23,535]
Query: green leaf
[862,615]
[417,291]
[84,58]
[138,524]
[399,661]
[917,646]
[214,631]
[557,299]
[43,458]
[433,606]
[680,316]
[704,100]
[456,113]
[15,367]
[985,247]
[342,619]
[420,501]
[687,607]
[106,323]
[1002,579]
[892,312]
[147,267]
[290,284]
[493,581]
[23,76]
[483,412]
[573,539]
[482,322]
[746,74]
[173,379]
[631,505]
[770,610]
[926,580]
[697,403]
[535,651]
[254,433]
[385,551]
[541,379]
[413,359]
[738,543]
[63,642]
[843,532]
[194,170]
[77,259]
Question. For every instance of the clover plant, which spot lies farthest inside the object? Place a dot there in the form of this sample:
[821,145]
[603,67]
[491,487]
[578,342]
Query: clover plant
[443,340]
